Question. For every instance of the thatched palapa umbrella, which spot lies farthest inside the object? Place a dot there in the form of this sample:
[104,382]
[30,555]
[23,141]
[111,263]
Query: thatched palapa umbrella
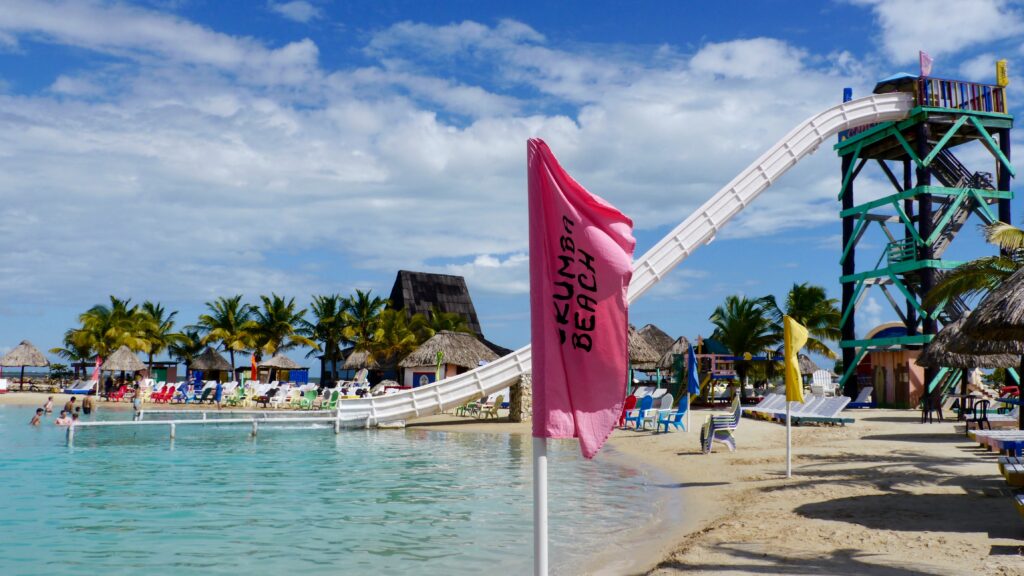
[279,363]
[807,366]
[1000,317]
[359,359]
[657,338]
[641,355]
[123,360]
[457,348]
[951,348]
[680,347]
[211,361]
[24,354]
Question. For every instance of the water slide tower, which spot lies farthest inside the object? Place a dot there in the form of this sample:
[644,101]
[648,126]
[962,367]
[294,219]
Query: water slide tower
[930,195]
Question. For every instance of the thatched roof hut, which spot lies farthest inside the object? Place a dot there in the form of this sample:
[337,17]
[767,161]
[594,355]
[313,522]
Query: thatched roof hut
[657,338]
[358,359]
[680,346]
[24,354]
[952,348]
[807,366]
[1000,316]
[641,355]
[459,349]
[123,360]
[210,359]
[281,363]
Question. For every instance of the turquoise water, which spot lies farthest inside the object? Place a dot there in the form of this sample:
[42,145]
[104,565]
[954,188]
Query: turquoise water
[300,500]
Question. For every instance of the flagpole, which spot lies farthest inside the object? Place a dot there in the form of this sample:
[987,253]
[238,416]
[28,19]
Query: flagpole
[540,506]
[789,444]
[688,409]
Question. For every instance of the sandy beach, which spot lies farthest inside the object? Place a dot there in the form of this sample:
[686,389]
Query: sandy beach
[884,496]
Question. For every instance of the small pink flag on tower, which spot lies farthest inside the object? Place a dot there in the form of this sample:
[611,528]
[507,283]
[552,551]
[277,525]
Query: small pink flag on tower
[581,254]
[926,63]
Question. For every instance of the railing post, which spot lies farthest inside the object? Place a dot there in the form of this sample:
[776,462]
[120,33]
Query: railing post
[255,427]
[172,430]
[71,435]
[337,421]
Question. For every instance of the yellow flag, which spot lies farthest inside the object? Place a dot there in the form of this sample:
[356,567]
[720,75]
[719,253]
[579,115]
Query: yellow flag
[1002,77]
[795,336]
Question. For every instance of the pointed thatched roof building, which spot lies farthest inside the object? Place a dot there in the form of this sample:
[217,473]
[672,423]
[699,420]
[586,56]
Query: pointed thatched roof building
[123,360]
[459,349]
[419,292]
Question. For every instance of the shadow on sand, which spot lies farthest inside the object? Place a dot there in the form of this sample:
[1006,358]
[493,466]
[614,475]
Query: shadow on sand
[844,562]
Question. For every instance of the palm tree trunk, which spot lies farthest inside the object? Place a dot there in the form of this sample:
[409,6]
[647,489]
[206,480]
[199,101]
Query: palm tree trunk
[150,365]
[234,376]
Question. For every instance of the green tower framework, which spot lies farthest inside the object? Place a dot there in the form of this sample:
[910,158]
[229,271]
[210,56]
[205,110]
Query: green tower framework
[933,194]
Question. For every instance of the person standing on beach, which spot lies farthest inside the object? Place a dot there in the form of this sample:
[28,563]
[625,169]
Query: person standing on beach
[37,417]
[70,406]
[218,393]
[48,407]
[87,404]
[137,405]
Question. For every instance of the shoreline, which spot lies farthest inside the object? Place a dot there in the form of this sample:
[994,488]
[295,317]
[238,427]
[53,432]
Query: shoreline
[885,495]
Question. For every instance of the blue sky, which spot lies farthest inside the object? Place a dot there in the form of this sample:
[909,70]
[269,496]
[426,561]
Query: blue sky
[182,150]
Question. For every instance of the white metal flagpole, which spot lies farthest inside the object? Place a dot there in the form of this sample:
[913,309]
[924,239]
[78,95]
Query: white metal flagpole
[540,506]
[688,411]
[789,444]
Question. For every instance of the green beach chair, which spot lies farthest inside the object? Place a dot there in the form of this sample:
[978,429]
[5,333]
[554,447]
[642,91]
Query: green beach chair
[491,410]
[332,403]
[307,400]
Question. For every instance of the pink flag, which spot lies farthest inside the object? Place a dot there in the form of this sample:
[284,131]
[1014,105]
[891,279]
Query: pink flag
[926,63]
[96,370]
[581,251]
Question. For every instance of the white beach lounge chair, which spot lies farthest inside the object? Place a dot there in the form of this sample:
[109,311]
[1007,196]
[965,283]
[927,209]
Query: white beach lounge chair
[821,383]
[3,385]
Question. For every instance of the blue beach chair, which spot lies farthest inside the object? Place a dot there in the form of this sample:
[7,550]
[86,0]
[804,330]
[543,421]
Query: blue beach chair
[674,419]
[638,415]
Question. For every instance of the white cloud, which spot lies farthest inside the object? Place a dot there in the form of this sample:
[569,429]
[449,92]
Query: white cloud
[868,316]
[141,34]
[941,27]
[72,86]
[492,274]
[185,176]
[981,68]
[297,10]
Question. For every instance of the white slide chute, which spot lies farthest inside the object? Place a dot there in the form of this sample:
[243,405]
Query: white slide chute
[697,230]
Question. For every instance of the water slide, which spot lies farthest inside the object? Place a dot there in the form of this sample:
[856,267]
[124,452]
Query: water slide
[699,229]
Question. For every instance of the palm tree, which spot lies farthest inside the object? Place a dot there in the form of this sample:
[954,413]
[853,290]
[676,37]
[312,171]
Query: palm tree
[364,311]
[186,348]
[983,274]
[275,327]
[395,337]
[72,352]
[158,326]
[106,328]
[328,328]
[810,306]
[742,326]
[227,323]
[450,321]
